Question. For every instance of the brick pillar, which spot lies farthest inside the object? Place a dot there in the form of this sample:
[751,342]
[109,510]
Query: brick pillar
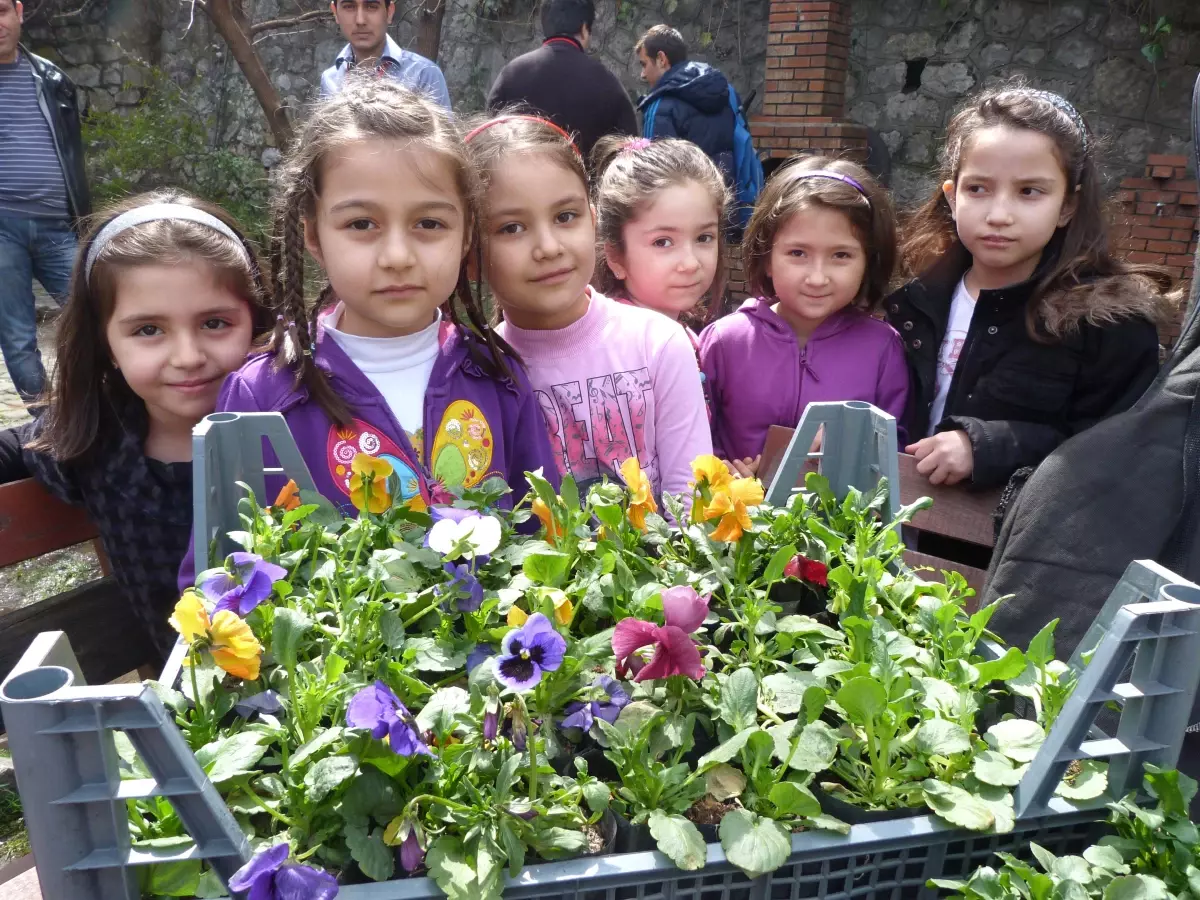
[804,104]
[1157,223]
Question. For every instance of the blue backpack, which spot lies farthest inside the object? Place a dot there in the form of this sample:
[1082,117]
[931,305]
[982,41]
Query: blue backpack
[747,168]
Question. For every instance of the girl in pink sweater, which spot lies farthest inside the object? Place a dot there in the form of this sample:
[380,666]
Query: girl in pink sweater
[615,382]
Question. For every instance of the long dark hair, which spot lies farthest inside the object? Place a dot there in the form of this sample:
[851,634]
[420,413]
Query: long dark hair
[368,107]
[87,392]
[1079,251]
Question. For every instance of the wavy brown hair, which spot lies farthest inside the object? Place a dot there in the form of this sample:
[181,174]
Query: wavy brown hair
[87,392]
[629,175]
[367,108]
[1078,253]
[792,190]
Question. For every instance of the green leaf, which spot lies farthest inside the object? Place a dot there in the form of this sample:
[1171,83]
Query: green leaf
[957,806]
[1071,868]
[231,757]
[597,795]
[391,629]
[738,703]
[1090,782]
[373,856]
[173,879]
[1105,857]
[1041,647]
[785,691]
[335,667]
[288,629]
[724,782]
[995,768]
[1018,739]
[1010,665]
[723,752]
[815,750]
[434,656]
[938,737]
[791,799]
[441,710]
[1136,887]
[754,844]
[678,839]
[322,740]
[778,563]
[371,795]
[558,843]
[326,775]
[863,698]
[547,567]
[569,491]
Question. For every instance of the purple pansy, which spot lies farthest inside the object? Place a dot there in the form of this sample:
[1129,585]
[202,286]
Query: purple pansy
[464,582]
[529,651]
[244,584]
[266,877]
[267,703]
[411,854]
[378,709]
[583,715]
[478,654]
[491,714]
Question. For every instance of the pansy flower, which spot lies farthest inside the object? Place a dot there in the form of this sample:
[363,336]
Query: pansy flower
[266,877]
[368,483]
[641,494]
[583,714]
[227,638]
[675,653]
[377,709]
[245,582]
[528,652]
[805,569]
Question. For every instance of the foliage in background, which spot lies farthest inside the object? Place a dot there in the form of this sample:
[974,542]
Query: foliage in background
[165,142]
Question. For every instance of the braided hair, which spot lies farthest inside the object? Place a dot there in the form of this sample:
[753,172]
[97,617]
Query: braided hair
[367,108]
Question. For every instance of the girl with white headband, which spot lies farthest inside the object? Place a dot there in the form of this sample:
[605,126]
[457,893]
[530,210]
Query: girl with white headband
[165,300]
[1022,328]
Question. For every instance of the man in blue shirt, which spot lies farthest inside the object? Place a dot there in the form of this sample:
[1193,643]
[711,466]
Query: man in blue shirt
[43,192]
[365,24]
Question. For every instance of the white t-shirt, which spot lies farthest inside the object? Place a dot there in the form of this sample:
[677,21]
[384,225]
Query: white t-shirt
[399,367]
[962,308]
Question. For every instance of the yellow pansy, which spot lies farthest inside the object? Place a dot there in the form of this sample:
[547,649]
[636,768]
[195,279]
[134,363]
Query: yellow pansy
[542,511]
[228,638]
[707,469]
[289,496]
[729,505]
[516,617]
[562,608]
[641,494]
[368,483]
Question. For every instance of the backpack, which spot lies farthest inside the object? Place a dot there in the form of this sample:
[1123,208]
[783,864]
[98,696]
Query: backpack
[747,168]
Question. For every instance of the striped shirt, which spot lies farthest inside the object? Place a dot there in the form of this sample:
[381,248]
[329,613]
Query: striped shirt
[31,179]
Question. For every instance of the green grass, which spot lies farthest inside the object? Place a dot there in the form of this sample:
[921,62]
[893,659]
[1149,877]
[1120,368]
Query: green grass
[14,840]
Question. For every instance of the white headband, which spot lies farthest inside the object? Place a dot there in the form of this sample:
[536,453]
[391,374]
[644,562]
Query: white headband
[155,212]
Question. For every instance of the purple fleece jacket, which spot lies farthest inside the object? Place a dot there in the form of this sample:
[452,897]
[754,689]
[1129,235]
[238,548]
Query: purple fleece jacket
[475,426]
[759,375]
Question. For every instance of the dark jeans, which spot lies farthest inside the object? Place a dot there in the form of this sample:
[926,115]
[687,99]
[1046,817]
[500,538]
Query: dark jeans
[30,248]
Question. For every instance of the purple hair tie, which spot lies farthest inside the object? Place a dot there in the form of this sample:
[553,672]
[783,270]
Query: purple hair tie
[634,145]
[836,176]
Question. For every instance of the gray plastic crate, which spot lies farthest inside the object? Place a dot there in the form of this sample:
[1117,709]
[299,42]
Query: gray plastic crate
[858,449]
[60,733]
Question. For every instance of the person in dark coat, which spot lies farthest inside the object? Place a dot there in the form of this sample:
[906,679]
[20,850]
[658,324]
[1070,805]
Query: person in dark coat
[560,82]
[688,100]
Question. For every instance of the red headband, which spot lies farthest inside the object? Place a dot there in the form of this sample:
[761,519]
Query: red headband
[486,125]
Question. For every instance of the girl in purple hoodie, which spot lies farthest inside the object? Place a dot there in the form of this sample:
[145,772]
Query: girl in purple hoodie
[379,190]
[819,252]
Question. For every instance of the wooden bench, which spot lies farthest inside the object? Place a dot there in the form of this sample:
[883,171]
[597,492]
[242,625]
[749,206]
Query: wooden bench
[107,638]
[956,533]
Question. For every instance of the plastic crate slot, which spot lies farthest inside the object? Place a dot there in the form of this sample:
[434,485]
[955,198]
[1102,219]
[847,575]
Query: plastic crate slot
[1129,691]
[1109,748]
[80,720]
[1142,633]
[130,789]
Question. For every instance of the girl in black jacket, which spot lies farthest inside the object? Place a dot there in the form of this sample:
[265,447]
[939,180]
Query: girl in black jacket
[1022,328]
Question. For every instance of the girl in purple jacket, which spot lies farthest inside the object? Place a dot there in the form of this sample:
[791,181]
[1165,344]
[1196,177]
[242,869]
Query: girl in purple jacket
[379,189]
[818,252]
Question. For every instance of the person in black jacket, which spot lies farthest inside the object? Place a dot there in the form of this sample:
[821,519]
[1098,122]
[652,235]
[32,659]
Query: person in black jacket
[43,194]
[1023,329]
[688,100]
[560,82]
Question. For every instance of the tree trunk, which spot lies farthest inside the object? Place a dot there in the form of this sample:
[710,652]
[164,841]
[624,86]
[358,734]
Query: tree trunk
[429,27]
[229,18]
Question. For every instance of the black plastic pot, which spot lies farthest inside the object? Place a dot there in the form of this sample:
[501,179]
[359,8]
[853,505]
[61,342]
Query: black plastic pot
[632,838]
[855,815]
[796,598]
[608,828]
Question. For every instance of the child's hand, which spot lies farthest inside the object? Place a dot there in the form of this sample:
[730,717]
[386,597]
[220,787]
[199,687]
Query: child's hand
[945,458]
[745,468]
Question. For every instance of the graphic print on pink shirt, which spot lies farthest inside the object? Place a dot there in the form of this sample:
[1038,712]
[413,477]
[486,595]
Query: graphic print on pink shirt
[617,429]
[950,352]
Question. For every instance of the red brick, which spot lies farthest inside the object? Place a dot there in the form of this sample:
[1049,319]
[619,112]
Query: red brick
[798,37]
[1130,245]
[1165,159]
[1154,234]
[1161,171]
[1189,199]
[1122,196]
[775,38]
[1158,197]
[1182,234]
[1176,222]
[1146,209]
[1181,184]
[780,50]
[1140,257]
[1183,260]
[1137,184]
[1166,246]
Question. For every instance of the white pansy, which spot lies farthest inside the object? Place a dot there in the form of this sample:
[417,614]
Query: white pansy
[473,536]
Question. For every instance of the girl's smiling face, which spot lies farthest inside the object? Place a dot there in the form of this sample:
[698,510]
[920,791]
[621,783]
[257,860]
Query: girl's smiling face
[391,232]
[539,241]
[670,251]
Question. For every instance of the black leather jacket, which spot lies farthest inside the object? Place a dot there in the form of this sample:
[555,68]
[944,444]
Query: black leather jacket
[60,105]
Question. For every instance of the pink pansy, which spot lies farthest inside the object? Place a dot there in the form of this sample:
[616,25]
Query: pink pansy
[674,652]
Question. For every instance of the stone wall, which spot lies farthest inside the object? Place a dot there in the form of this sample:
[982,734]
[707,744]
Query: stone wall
[912,61]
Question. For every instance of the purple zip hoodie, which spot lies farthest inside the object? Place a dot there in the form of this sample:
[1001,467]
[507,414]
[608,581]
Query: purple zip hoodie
[474,427]
[760,376]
